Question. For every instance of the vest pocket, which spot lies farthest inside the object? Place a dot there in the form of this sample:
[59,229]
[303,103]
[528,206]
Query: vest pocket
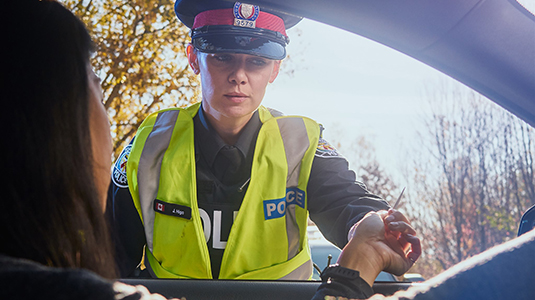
[179,248]
[297,268]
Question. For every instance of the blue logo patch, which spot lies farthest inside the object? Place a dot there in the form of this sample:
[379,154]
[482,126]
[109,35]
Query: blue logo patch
[118,175]
[276,208]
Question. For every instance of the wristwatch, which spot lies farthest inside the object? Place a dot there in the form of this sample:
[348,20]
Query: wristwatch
[347,277]
[338,272]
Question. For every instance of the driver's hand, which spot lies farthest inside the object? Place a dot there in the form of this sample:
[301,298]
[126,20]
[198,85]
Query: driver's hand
[124,291]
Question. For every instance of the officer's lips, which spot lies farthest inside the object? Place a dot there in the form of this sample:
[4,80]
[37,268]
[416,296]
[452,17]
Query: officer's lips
[236,97]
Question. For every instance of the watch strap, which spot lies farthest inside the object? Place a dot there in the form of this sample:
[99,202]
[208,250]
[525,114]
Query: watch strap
[336,271]
[335,274]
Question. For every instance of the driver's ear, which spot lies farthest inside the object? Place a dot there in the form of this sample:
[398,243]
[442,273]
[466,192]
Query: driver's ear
[193,59]
[275,72]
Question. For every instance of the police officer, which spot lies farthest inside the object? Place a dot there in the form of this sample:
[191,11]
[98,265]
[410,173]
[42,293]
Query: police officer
[223,188]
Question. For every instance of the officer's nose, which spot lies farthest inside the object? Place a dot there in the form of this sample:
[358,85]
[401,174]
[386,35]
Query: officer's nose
[238,74]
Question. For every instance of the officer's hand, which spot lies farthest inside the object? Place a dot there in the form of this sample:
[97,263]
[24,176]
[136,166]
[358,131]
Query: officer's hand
[398,226]
[401,237]
[382,241]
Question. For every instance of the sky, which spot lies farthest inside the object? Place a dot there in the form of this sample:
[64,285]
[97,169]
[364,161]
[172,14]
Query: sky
[371,90]
[355,87]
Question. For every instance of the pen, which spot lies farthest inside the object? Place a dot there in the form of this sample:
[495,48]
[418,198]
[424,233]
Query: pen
[399,198]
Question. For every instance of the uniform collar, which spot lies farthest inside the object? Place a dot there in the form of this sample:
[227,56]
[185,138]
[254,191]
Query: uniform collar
[210,142]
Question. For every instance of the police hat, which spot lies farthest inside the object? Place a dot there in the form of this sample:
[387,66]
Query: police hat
[221,26]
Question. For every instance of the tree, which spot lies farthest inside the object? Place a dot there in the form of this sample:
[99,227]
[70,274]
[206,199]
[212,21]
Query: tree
[140,59]
[484,180]
[361,154]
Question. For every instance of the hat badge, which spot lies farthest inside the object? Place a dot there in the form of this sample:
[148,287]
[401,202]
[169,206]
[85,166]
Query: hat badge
[245,15]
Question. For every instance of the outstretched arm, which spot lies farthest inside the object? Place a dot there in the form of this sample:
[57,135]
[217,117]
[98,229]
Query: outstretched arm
[381,241]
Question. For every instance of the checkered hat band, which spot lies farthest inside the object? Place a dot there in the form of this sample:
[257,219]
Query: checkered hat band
[226,17]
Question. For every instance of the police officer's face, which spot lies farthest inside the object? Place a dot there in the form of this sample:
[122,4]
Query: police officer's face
[100,136]
[233,85]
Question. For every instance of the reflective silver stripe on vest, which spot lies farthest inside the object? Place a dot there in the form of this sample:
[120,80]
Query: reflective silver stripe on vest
[150,163]
[303,272]
[295,138]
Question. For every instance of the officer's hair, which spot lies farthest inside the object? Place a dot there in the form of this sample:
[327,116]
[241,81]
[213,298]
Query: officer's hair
[50,211]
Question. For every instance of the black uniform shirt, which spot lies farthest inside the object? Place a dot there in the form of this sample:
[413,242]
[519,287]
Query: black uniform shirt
[336,200]
[223,172]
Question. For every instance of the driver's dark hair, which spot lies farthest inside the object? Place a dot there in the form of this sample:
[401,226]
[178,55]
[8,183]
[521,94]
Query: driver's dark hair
[50,211]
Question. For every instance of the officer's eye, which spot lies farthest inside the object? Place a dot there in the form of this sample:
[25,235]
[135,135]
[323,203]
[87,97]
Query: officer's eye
[258,61]
[222,57]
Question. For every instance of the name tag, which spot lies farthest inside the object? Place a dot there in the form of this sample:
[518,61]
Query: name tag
[171,209]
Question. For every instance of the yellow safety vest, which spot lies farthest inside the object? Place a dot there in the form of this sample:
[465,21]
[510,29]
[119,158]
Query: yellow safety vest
[268,239]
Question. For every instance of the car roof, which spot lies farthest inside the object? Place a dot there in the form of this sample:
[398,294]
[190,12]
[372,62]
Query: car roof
[489,45]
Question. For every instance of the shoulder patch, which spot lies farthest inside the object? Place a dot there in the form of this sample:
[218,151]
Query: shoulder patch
[118,172]
[325,149]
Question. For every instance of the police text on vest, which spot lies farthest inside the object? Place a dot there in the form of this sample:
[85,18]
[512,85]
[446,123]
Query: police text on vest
[276,208]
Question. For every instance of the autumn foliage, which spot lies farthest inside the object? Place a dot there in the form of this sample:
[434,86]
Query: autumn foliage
[140,59]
